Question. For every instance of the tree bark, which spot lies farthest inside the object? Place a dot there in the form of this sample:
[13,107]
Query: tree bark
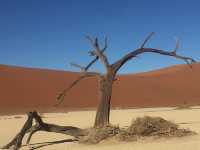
[103,110]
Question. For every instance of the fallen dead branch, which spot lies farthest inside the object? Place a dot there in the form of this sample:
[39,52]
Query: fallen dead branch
[28,127]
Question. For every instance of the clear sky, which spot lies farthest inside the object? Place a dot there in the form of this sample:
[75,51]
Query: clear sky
[51,33]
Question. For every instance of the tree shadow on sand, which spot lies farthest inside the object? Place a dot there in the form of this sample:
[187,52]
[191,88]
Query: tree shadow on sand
[43,144]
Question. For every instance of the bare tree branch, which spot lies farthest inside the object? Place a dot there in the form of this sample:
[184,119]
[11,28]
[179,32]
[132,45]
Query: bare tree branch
[61,95]
[78,66]
[118,64]
[91,63]
[105,43]
[90,39]
[82,68]
[147,39]
[177,46]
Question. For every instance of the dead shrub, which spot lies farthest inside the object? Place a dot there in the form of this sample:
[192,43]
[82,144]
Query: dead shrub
[152,126]
[18,117]
[185,105]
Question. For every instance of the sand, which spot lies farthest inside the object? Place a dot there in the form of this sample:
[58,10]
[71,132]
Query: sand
[186,118]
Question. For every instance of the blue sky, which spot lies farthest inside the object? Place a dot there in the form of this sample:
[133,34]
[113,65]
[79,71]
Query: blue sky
[51,33]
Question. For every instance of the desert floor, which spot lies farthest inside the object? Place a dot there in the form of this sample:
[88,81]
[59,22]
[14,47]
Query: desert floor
[187,118]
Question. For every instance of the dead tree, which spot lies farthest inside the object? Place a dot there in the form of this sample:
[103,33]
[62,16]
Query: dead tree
[106,80]
[105,89]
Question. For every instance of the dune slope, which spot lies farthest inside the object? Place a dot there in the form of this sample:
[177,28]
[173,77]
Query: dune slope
[24,89]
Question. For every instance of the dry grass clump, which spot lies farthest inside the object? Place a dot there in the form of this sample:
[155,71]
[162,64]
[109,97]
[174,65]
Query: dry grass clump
[183,107]
[152,126]
[141,127]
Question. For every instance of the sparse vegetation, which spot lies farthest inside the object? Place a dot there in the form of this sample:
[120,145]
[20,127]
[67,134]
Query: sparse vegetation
[185,105]
[18,117]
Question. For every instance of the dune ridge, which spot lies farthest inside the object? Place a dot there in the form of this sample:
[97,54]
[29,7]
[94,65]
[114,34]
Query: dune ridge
[23,89]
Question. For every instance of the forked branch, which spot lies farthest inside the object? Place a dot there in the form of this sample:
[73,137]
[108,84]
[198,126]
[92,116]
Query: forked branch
[97,57]
[16,142]
[98,52]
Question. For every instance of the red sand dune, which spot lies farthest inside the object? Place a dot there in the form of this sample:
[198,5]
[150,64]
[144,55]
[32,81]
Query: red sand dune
[24,89]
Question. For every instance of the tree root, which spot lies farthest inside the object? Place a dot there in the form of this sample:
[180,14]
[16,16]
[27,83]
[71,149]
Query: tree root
[16,142]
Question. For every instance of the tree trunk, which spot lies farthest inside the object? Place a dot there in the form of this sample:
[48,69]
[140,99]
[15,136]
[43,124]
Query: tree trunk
[103,110]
